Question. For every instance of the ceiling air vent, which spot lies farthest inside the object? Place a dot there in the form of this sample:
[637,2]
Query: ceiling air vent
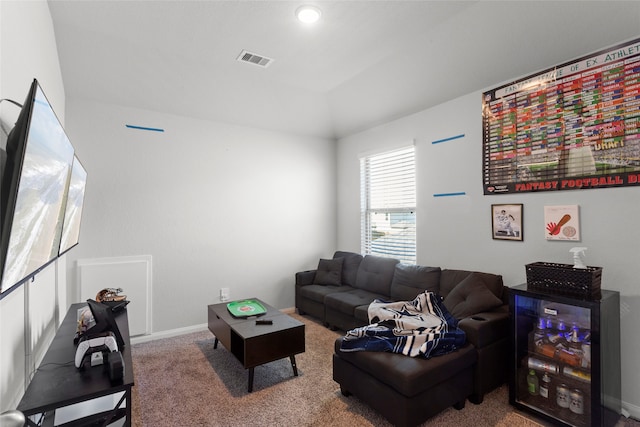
[254,59]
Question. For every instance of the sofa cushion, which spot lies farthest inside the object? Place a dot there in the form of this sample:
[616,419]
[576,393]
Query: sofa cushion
[329,272]
[375,274]
[350,264]
[410,280]
[471,296]
[361,313]
[410,375]
[346,302]
[449,279]
[317,293]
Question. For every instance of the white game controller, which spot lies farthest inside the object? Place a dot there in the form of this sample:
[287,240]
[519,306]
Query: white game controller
[103,342]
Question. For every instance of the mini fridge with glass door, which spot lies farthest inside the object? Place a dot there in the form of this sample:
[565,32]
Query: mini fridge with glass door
[565,365]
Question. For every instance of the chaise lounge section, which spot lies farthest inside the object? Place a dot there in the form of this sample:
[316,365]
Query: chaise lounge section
[406,390]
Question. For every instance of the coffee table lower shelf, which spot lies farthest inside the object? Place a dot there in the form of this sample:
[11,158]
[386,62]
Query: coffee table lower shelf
[251,369]
[254,344]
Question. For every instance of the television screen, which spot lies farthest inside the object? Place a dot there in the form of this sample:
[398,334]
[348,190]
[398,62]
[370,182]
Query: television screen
[73,210]
[34,186]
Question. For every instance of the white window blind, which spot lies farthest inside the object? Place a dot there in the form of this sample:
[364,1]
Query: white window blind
[388,204]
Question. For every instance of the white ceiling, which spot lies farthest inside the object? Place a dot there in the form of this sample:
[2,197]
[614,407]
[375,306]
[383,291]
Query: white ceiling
[363,64]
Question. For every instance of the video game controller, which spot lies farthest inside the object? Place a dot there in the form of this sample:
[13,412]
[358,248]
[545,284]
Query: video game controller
[102,342]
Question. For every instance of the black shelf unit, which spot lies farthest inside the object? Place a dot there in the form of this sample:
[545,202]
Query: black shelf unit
[576,342]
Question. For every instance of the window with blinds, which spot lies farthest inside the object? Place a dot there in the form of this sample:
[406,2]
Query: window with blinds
[388,204]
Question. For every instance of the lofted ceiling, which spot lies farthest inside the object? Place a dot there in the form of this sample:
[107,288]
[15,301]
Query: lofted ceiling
[365,62]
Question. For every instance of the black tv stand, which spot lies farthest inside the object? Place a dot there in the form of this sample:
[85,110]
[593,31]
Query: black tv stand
[58,383]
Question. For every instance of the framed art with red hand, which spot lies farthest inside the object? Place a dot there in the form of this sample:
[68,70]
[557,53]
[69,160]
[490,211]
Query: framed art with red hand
[562,222]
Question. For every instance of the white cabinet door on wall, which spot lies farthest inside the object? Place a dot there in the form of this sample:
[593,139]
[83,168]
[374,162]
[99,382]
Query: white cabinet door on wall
[132,274]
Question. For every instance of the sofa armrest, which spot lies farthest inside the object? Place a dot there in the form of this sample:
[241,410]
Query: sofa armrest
[304,278]
[486,328]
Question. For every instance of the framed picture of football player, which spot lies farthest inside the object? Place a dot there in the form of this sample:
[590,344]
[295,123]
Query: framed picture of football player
[506,222]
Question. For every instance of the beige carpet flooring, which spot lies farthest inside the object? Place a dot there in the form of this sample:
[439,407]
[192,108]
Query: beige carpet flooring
[183,381]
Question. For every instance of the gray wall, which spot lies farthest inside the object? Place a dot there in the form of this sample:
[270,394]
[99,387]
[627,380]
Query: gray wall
[28,315]
[455,232]
[215,205]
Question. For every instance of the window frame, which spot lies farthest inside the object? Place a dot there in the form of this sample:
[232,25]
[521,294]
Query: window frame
[381,172]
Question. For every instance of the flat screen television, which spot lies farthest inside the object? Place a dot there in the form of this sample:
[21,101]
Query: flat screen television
[34,188]
[73,210]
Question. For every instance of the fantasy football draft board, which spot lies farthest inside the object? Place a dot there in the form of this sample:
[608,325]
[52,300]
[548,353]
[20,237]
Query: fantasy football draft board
[575,126]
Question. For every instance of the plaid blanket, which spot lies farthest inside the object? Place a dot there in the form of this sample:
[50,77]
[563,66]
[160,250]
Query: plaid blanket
[422,327]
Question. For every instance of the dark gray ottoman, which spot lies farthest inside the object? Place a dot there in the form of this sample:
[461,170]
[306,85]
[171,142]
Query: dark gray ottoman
[406,390]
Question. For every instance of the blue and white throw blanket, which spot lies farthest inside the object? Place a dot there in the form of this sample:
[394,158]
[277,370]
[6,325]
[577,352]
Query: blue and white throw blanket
[422,327]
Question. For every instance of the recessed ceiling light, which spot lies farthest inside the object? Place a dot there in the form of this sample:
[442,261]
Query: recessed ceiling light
[308,14]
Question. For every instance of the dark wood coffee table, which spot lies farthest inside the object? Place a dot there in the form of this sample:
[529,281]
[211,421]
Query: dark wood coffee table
[254,344]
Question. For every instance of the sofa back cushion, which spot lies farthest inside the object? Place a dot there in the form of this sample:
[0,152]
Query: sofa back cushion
[450,278]
[375,274]
[411,280]
[329,272]
[351,262]
[471,296]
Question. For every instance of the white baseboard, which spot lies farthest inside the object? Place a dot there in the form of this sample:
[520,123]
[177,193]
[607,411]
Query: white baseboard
[168,334]
[630,411]
[182,331]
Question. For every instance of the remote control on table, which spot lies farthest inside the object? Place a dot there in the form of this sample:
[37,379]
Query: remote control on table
[264,322]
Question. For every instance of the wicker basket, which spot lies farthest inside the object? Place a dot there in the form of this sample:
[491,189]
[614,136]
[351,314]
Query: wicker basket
[564,279]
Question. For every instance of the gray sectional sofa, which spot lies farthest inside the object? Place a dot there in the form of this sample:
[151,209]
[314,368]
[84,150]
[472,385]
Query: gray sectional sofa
[339,292]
